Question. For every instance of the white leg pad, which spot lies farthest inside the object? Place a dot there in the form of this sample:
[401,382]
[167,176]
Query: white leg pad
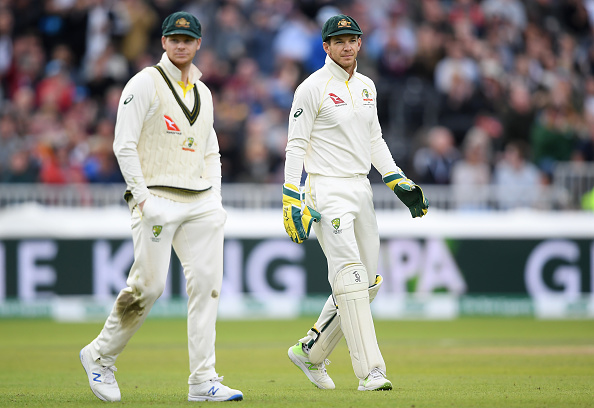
[326,333]
[352,298]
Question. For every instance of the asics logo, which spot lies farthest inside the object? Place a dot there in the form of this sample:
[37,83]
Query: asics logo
[97,375]
[212,391]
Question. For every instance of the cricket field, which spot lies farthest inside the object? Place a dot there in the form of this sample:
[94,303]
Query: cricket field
[468,362]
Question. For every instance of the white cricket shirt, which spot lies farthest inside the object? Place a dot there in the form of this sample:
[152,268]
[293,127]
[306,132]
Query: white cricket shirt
[333,127]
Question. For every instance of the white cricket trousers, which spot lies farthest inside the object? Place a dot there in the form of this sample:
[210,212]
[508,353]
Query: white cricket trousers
[347,233]
[195,230]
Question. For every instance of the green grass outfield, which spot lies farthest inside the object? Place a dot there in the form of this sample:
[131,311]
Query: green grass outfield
[488,362]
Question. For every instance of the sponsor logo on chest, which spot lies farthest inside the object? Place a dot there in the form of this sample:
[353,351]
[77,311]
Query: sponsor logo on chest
[337,100]
[172,128]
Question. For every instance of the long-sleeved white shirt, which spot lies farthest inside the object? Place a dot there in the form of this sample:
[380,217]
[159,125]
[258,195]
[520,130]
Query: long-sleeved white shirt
[333,127]
[138,103]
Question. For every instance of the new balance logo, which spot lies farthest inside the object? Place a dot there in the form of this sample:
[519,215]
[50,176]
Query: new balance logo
[212,391]
[335,99]
[97,375]
[171,124]
[311,366]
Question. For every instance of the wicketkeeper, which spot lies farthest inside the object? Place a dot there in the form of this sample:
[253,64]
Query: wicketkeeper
[335,132]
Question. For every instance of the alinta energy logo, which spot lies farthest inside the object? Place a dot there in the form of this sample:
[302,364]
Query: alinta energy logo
[171,126]
[336,99]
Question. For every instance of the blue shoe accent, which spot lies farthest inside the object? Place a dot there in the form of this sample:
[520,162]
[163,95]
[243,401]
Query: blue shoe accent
[236,397]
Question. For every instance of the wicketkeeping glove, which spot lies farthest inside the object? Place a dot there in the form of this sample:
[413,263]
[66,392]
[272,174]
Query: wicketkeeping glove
[297,223]
[408,192]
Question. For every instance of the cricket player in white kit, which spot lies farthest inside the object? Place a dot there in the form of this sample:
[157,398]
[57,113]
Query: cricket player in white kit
[335,133]
[168,153]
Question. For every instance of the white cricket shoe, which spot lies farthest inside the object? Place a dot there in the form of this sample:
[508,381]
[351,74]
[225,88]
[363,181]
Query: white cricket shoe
[375,381]
[101,378]
[315,372]
[213,390]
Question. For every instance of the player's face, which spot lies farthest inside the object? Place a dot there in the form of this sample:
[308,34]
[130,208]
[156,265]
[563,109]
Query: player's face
[181,48]
[343,50]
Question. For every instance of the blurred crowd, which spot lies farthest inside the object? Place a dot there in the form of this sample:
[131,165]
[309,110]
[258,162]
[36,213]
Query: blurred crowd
[471,93]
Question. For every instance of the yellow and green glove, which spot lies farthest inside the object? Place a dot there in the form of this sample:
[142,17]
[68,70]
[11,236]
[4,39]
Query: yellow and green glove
[297,224]
[408,192]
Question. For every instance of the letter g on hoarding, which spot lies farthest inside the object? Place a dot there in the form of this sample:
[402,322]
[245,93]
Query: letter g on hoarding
[566,276]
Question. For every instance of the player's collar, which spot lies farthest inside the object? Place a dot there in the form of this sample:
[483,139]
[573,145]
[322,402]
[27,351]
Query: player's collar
[175,72]
[338,71]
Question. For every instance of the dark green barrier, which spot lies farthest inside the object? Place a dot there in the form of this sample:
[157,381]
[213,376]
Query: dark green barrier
[38,269]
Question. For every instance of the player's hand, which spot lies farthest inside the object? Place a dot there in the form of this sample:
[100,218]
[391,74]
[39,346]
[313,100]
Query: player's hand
[297,224]
[408,192]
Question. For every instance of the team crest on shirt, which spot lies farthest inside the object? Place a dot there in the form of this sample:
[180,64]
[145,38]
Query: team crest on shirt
[189,144]
[367,97]
[336,224]
[171,126]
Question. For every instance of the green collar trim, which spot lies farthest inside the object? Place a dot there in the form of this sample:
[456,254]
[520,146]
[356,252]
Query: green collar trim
[191,115]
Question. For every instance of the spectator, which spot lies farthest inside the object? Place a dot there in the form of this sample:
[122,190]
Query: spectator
[56,90]
[6,22]
[517,180]
[456,65]
[140,18]
[552,138]
[470,11]
[27,64]
[22,109]
[472,174]
[584,151]
[510,10]
[433,164]
[56,167]
[230,38]
[518,115]
[258,163]
[428,53]
[459,107]
[10,141]
[107,69]
[22,168]
[394,43]
[297,32]
[261,39]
